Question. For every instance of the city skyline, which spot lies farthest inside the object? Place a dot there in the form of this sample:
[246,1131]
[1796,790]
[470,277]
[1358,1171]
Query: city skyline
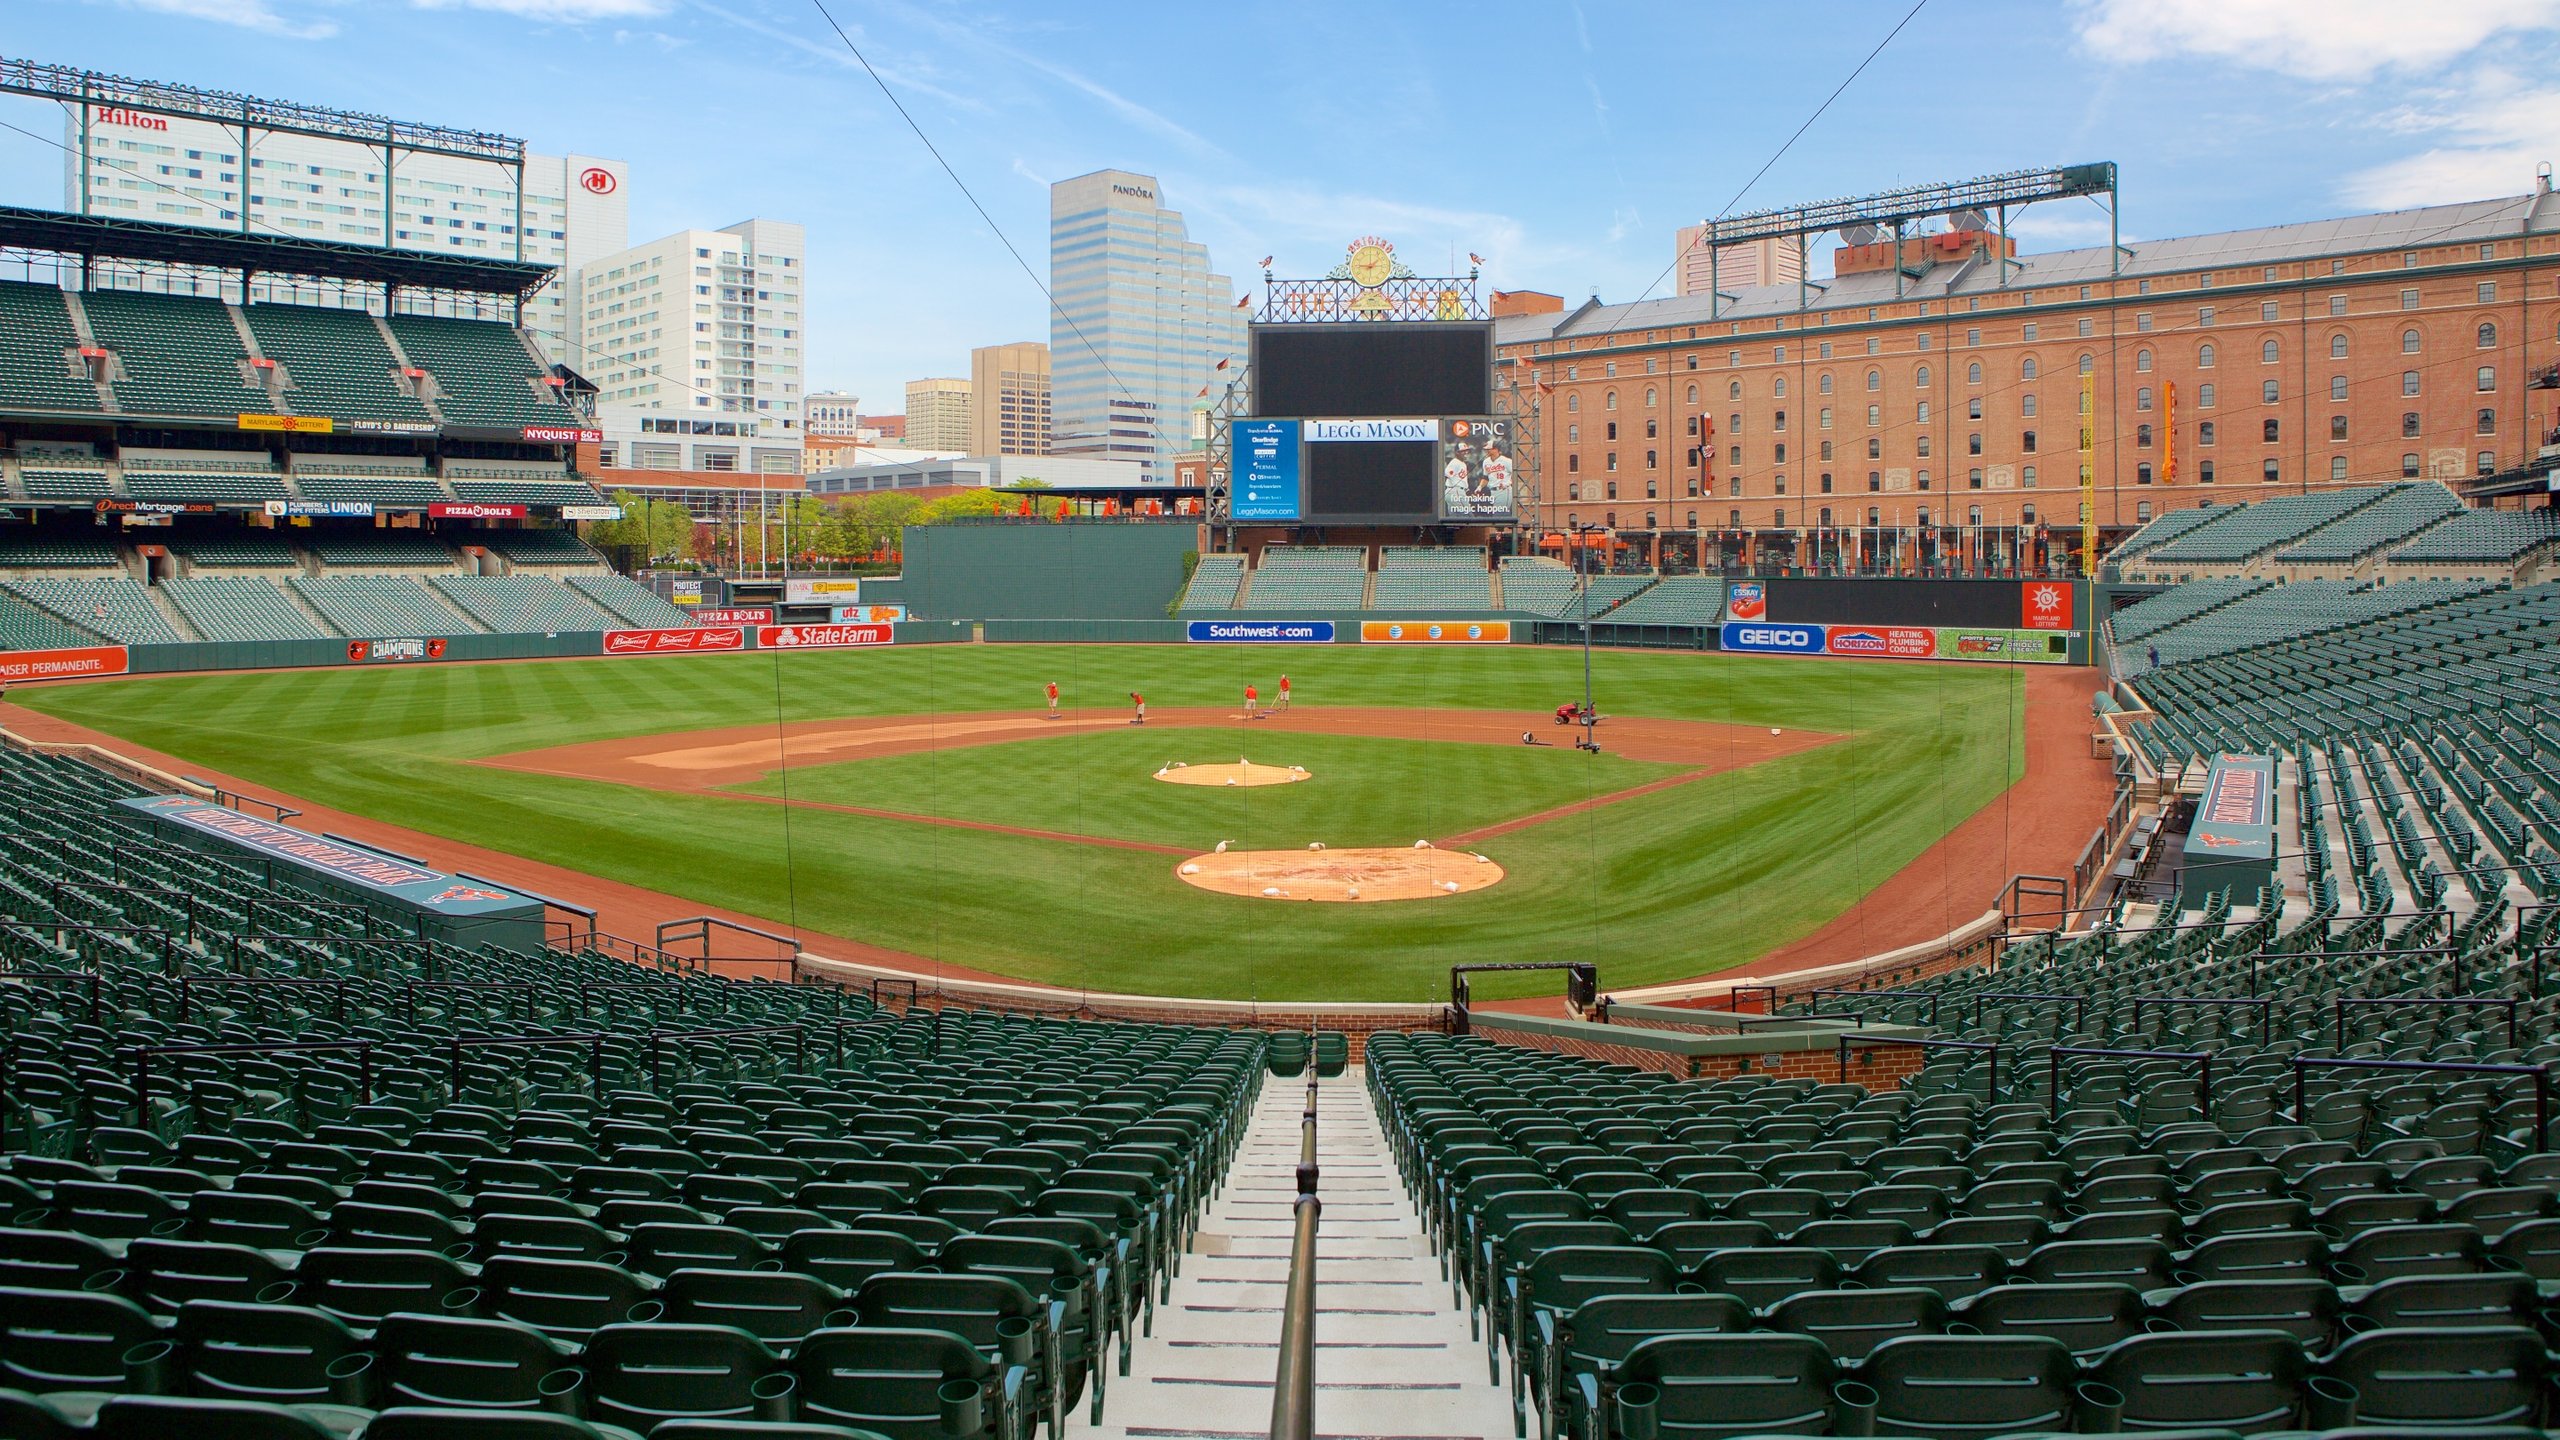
[2222,115]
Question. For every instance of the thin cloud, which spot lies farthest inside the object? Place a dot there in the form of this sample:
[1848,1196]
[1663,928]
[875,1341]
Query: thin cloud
[2332,41]
[831,50]
[255,15]
[562,12]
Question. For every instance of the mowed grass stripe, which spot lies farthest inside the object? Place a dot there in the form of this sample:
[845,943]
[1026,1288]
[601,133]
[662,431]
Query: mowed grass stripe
[1674,883]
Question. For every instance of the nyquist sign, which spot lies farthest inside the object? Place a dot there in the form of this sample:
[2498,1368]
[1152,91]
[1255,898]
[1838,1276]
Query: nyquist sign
[1773,639]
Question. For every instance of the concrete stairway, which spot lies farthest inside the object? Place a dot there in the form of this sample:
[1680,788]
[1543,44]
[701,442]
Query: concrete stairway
[1393,1359]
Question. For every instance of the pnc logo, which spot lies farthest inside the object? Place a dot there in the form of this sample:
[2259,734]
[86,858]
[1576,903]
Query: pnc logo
[596,180]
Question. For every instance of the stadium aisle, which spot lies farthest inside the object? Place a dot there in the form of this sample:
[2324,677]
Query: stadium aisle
[1393,1358]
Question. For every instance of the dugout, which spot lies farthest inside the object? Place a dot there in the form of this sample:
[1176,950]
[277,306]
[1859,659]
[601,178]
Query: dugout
[1004,569]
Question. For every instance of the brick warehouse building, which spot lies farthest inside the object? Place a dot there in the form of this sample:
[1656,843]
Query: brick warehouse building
[1931,420]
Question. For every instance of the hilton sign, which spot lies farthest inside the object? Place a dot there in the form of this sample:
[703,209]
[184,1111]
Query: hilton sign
[118,115]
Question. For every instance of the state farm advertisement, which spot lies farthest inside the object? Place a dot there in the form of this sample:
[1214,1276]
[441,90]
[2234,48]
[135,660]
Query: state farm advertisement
[1911,642]
[61,664]
[690,640]
[823,637]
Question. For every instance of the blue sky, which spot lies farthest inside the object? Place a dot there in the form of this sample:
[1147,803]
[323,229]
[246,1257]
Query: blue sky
[1564,143]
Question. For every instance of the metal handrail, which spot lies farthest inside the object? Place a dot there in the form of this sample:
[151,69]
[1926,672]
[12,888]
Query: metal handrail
[2541,1082]
[1991,1049]
[2399,1002]
[1293,1388]
[2204,1072]
[2264,1005]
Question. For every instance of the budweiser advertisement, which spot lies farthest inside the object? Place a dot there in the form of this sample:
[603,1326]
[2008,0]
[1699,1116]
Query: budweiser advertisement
[61,664]
[690,640]
[823,637]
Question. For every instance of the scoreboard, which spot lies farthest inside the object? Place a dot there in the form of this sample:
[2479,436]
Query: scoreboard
[1379,423]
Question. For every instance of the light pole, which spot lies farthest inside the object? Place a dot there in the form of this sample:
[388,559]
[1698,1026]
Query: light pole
[1590,714]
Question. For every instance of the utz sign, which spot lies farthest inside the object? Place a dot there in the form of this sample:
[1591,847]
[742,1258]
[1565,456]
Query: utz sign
[1747,600]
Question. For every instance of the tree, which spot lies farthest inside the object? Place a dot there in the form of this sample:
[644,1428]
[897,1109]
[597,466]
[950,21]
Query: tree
[668,526]
[965,505]
[631,532]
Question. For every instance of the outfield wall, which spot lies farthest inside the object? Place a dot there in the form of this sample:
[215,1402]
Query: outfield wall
[1006,572]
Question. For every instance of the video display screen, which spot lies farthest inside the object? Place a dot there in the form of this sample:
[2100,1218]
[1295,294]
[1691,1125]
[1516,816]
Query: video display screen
[1357,370]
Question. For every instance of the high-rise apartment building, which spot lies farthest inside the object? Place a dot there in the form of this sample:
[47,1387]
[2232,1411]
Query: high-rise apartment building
[1141,321]
[702,322]
[1009,399]
[831,412]
[134,165]
[1754,262]
[938,414]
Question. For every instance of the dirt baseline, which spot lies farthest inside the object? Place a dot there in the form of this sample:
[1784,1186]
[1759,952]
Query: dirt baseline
[713,759]
[1244,773]
[1359,876]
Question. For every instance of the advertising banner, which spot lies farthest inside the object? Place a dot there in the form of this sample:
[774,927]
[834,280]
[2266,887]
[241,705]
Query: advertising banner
[1268,484]
[1323,431]
[1259,632]
[1435,632]
[688,592]
[1476,459]
[1747,600]
[843,590]
[16,665]
[2025,647]
[742,615]
[365,652]
[692,640]
[1758,638]
[449,511]
[390,427]
[590,512]
[155,507]
[2044,605]
[340,509]
[1909,642]
[867,614]
[296,424]
[349,864]
[822,637]
[562,435]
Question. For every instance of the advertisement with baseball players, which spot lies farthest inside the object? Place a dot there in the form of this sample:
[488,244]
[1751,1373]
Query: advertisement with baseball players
[1477,464]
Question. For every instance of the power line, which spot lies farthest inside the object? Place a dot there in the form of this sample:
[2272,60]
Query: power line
[1154,422]
[1791,140]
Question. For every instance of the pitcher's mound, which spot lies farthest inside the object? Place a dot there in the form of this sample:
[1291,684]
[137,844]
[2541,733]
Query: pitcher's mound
[1241,773]
[1348,875]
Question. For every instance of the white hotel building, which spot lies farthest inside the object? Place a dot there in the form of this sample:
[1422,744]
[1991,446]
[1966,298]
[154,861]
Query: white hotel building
[702,325]
[177,170]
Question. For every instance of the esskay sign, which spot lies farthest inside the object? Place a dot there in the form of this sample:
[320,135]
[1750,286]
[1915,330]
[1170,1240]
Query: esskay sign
[822,637]
[1435,632]
[16,665]
[1264,632]
[690,640]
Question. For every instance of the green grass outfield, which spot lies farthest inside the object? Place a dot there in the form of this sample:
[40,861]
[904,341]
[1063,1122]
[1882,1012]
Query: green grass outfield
[1679,882]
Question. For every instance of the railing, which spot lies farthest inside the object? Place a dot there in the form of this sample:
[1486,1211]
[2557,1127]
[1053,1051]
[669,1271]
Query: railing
[2079,1004]
[2265,1007]
[1990,1050]
[698,929]
[2541,1082]
[2457,1002]
[1581,986]
[1929,995]
[2204,1070]
[1293,1389]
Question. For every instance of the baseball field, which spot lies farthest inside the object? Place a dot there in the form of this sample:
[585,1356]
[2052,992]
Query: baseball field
[919,799]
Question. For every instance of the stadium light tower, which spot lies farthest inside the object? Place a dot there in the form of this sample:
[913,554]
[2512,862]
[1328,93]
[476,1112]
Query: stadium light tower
[1590,714]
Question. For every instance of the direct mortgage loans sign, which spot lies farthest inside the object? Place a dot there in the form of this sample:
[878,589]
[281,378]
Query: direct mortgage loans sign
[1266,632]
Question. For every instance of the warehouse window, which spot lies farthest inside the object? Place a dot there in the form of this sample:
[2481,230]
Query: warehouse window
[2409,465]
